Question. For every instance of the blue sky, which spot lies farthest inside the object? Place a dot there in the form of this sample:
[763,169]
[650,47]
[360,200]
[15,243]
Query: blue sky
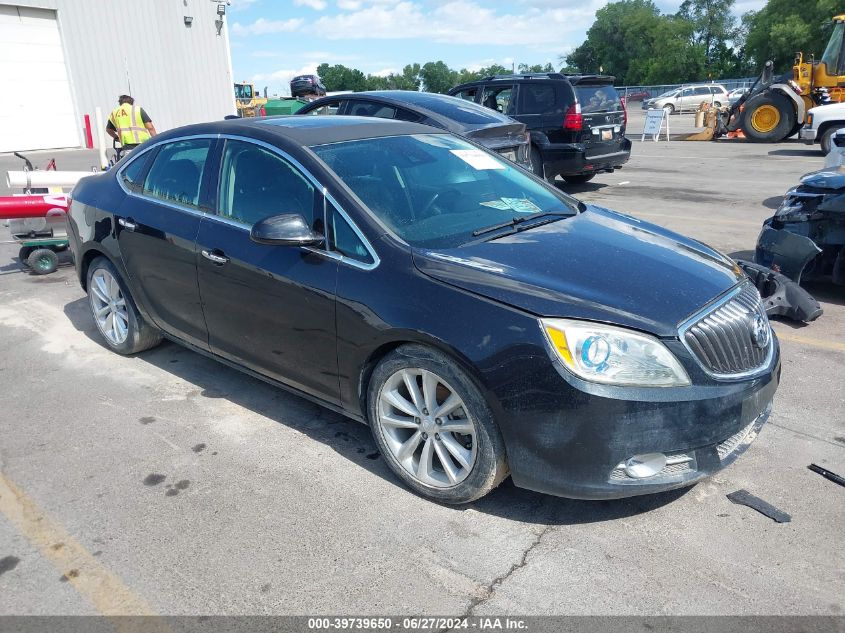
[273,40]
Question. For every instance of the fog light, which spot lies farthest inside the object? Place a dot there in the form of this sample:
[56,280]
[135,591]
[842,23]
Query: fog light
[642,466]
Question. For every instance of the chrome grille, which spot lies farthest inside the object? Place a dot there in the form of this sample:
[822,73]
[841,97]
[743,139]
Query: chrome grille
[722,339]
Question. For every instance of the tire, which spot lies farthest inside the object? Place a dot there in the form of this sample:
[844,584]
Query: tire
[42,261]
[24,254]
[670,109]
[537,162]
[717,104]
[826,139]
[124,330]
[795,129]
[579,179]
[768,118]
[466,463]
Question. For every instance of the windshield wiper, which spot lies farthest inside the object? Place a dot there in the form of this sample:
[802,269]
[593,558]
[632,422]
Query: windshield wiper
[513,222]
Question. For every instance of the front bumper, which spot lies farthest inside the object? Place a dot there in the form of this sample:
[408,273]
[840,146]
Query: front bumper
[576,446]
[807,134]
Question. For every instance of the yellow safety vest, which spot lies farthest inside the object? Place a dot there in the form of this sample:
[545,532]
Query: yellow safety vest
[127,121]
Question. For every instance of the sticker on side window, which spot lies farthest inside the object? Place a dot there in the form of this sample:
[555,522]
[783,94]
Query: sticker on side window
[477,159]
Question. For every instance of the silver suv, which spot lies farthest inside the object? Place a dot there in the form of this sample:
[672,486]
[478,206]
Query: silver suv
[688,98]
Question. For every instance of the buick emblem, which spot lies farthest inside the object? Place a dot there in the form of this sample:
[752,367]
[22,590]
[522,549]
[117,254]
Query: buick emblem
[760,331]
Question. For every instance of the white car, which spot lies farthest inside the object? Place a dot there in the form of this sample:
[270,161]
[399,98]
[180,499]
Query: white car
[822,123]
[688,98]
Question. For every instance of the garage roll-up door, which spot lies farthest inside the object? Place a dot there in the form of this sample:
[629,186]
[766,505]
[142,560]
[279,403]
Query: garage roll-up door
[36,107]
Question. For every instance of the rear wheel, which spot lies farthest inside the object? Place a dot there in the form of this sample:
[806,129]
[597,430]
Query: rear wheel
[579,179]
[768,118]
[42,261]
[123,328]
[24,254]
[433,426]
[536,162]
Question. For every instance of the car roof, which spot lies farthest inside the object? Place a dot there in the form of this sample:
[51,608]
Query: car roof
[428,104]
[307,131]
[533,77]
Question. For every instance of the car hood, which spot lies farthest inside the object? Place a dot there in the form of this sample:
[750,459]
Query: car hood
[598,265]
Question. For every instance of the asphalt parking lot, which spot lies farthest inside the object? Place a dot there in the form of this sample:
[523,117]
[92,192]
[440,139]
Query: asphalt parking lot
[169,484]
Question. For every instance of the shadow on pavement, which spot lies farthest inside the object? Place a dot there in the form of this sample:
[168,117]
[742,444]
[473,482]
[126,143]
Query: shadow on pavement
[351,439]
[810,152]
[773,202]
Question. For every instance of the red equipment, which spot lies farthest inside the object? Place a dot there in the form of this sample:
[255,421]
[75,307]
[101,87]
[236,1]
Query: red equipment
[13,207]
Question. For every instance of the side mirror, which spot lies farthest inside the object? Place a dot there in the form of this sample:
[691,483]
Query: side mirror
[289,229]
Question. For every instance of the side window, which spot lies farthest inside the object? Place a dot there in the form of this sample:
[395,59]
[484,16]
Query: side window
[686,92]
[406,115]
[256,184]
[468,94]
[537,98]
[497,97]
[368,108]
[330,108]
[176,173]
[133,175]
[345,241]
[703,91]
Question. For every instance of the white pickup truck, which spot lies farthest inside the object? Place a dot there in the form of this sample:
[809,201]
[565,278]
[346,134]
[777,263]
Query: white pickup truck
[822,123]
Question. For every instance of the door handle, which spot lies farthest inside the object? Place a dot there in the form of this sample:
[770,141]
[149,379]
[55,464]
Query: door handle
[127,224]
[214,257]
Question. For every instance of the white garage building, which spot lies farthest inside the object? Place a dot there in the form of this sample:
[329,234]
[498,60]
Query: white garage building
[61,59]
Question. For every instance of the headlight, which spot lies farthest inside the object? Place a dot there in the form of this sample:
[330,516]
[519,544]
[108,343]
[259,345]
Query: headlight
[613,355]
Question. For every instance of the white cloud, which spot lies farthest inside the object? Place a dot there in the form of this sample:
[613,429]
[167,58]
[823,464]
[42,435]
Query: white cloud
[384,72]
[348,5]
[262,26]
[459,22]
[317,5]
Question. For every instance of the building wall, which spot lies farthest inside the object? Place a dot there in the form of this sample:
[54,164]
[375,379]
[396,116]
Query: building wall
[179,74]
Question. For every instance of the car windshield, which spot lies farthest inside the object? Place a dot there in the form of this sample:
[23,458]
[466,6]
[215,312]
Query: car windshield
[598,99]
[668,93]
[436,190]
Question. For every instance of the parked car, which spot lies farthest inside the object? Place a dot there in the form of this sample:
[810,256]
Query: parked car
[492,130]
[303,85]
[636,95]
[688,98]
[737,93]
[822,123]
[577,122]
[481,321]
[805,238]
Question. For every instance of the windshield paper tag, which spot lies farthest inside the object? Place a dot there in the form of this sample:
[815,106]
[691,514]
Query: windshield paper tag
[477,159]
[520,205]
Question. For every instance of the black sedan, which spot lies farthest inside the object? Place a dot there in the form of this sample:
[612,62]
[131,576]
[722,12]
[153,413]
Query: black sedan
[481,322]
[491,129]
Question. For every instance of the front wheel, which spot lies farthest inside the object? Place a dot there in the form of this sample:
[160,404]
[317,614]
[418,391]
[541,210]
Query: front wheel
[433,426]
[668,108]
[768,118]
[123,328]
[826,140]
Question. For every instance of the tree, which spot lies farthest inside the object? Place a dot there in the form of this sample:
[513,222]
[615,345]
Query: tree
[437,77]
[339,77]
[783,27]
[713,24]
[536,68]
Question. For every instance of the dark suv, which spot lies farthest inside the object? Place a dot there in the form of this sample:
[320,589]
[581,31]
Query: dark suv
[577,122]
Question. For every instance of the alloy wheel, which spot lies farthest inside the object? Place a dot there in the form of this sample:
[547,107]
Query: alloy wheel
[427,428]
[109,307]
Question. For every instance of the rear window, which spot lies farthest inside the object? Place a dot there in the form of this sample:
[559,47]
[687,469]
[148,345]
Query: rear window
[456,109]
[598,98]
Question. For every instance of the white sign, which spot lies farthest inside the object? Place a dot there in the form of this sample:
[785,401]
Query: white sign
[654,118]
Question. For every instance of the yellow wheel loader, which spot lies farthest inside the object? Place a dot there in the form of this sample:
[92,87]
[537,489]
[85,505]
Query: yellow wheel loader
[775,109]
[249,104]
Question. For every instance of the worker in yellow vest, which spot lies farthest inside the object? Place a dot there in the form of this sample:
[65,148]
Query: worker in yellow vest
[129,124]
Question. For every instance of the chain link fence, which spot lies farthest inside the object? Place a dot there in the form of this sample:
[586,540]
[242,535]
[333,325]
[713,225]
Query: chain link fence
[682,97]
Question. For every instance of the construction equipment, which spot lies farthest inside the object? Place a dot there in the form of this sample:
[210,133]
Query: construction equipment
[39,226]
[775,109]
[249,104]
